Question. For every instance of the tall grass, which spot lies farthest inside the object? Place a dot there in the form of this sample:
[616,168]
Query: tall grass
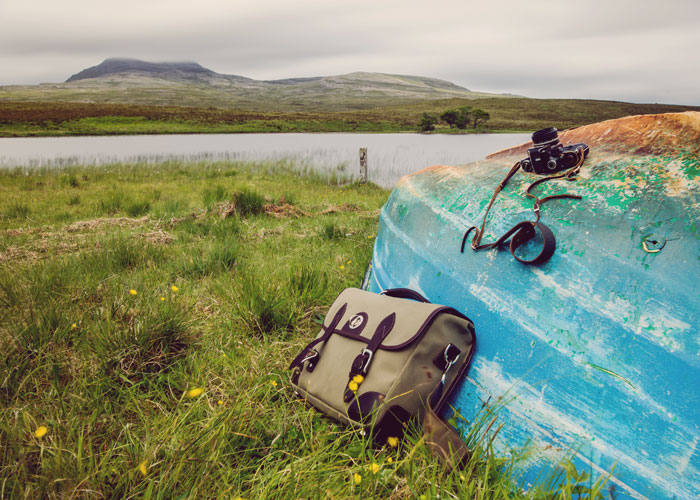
[153,350]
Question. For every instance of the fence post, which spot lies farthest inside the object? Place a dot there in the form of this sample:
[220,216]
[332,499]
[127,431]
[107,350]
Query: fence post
[363,165]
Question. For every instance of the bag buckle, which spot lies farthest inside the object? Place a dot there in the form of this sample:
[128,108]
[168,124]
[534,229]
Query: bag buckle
[369,354]
[451,357]
[313,354]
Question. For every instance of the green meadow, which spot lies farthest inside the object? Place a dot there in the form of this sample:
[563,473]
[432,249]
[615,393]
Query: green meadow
[507,114]
[148,313]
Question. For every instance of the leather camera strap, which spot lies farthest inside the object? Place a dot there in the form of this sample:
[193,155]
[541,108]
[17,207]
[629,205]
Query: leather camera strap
[525,231]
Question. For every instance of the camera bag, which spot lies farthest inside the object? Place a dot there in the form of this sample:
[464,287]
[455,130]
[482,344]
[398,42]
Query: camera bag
[382,360]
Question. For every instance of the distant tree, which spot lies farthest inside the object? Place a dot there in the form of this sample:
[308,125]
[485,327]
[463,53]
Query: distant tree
[457,117]
[463,117]
[427,122]
[479,116]
[450,117]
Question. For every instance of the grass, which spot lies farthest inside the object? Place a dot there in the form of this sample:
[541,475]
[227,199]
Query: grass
[508,114]
[147,316]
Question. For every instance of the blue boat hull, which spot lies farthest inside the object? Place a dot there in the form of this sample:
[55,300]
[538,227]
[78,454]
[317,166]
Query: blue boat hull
[597,351]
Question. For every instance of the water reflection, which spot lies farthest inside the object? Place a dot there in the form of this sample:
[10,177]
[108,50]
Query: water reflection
[389,155]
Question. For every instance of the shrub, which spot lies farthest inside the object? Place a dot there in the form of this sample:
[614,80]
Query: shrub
[427,122]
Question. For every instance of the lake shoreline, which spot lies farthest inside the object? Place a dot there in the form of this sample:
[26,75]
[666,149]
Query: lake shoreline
[390,155]
[204,132]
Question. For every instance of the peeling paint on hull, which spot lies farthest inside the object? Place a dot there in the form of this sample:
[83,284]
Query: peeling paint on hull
[598,350]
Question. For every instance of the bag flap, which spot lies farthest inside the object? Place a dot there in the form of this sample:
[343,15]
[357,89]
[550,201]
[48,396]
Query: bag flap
[365,310]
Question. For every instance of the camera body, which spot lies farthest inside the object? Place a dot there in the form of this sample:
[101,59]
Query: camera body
[548,155]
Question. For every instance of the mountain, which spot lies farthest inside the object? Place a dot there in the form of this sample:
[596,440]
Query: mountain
[120,80]
[169,71]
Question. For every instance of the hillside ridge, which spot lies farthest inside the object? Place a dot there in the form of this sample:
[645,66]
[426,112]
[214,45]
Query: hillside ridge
[190,70]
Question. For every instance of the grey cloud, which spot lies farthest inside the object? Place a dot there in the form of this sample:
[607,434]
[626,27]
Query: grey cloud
[616,49]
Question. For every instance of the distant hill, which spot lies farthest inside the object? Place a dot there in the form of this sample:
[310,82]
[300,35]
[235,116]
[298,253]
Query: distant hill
[168,71]
[121,80]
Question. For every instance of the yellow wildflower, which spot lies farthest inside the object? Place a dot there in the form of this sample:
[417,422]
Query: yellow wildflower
[342,267]
[73,326]
[390,460]
[142,468]
[375,467]
[358,378]
[352,385]
[273,383]
[174,288]
[133,292]
[392,441]
[41,431]
[349,261]
[370,236]
[219,402]
[162,299]
[193,393]
[461,476]
[422,497]
[357,478]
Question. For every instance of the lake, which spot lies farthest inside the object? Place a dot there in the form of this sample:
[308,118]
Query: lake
[389,156]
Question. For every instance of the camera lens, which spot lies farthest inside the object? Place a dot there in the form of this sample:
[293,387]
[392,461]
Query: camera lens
[552,164]
[527,166]
[545,135]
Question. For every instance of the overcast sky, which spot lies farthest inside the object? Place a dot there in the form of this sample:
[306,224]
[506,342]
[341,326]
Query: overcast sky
[639,51]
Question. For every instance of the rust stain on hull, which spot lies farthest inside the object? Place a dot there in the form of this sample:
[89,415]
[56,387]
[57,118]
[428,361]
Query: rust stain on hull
[641,134]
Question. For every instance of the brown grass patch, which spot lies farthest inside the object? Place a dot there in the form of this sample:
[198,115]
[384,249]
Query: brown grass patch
[115,221]
[283,210]
[345,207]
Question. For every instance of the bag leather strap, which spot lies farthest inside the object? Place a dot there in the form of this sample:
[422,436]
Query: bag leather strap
[360,364]
[442,439]
[328,331]
[405,293]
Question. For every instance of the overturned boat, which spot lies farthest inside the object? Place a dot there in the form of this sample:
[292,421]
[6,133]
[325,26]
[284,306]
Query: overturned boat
[594,350]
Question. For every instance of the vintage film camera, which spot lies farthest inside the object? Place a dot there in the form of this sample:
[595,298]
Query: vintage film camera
[548,155]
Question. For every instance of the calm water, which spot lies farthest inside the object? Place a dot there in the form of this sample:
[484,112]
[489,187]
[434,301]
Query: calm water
[389,155]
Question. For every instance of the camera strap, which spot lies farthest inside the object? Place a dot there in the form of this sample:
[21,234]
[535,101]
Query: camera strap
[524,231]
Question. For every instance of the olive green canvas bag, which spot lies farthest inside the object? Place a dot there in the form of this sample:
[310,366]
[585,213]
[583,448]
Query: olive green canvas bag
[382,360]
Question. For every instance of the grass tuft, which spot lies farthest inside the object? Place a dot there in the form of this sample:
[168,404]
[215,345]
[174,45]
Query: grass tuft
[214,195]
[331,231]
[248,202]
[17,210]
[137,208]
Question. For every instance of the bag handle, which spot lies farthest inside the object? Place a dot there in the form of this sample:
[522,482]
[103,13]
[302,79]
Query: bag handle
[405,293]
